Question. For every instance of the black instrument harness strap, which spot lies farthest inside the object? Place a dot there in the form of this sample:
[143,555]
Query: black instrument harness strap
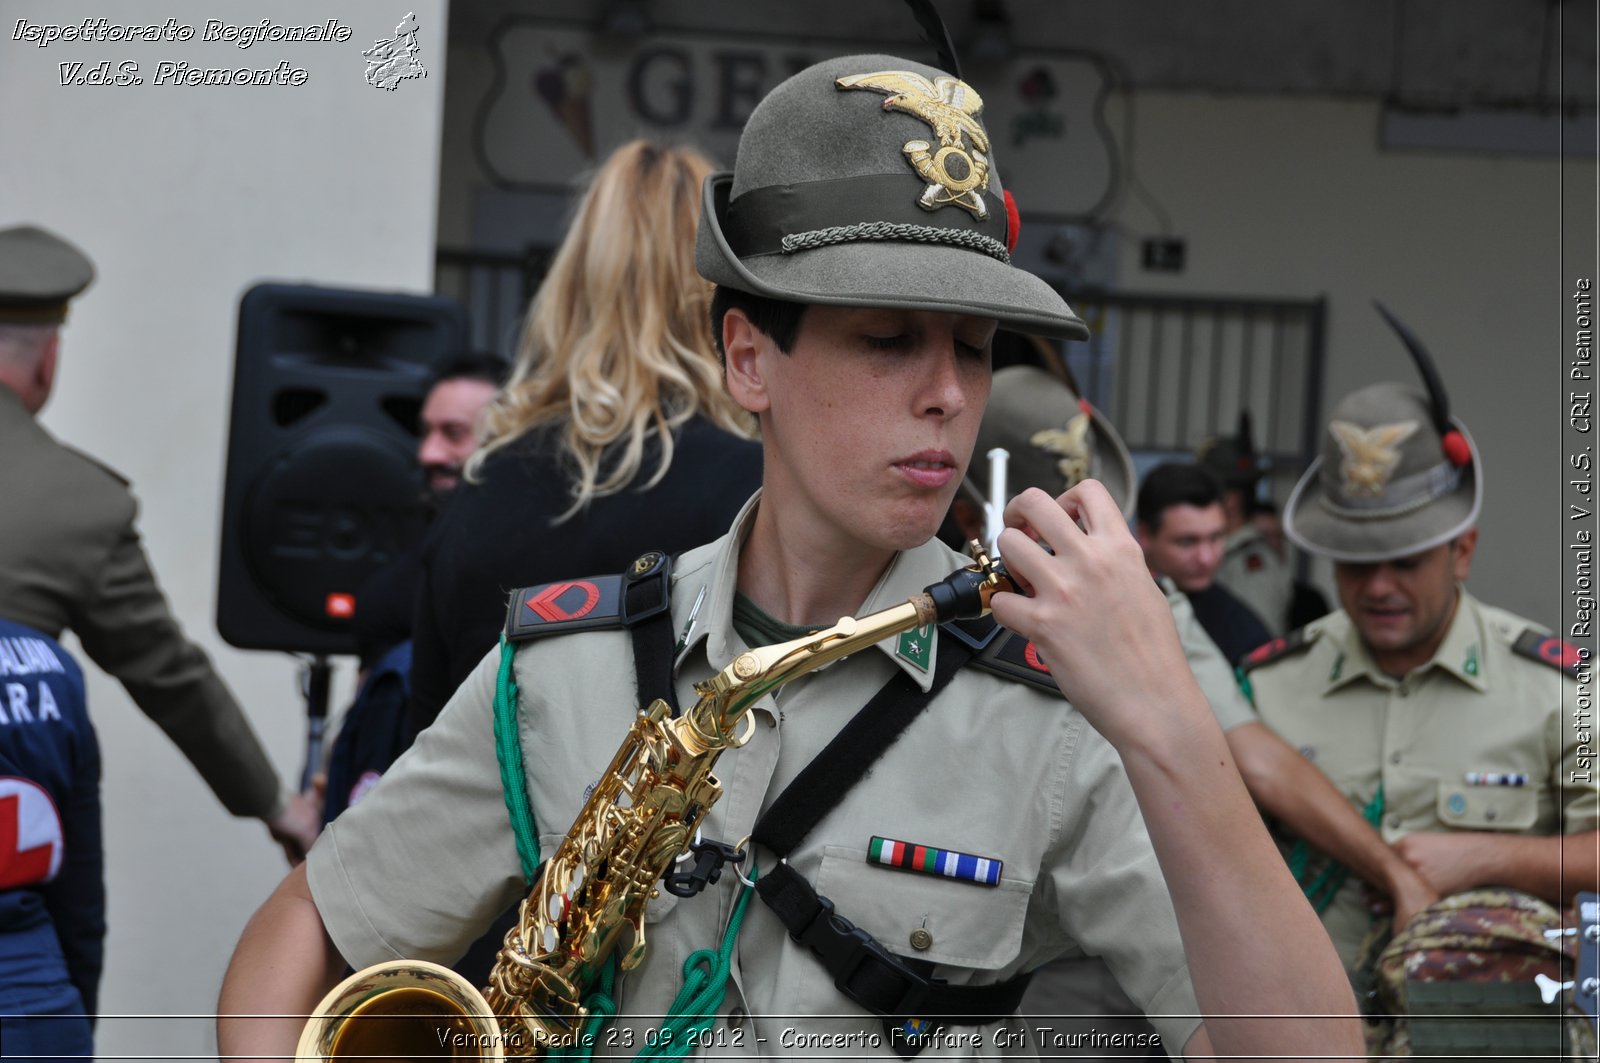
[866,972]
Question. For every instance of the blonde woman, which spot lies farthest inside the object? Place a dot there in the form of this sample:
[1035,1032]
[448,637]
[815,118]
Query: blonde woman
[614,435]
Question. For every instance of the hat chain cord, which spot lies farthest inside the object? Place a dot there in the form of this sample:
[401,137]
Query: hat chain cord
[883,230]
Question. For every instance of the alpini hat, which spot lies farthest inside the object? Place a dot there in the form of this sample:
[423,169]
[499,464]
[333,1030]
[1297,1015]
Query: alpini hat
[1233,458]
[39,274]
[1053,438]
[868,181]
[1397,474]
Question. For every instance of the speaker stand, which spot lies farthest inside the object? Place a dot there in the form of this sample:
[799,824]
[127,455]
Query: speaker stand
[316,674]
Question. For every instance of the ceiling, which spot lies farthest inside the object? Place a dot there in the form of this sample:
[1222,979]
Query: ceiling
[1523,55]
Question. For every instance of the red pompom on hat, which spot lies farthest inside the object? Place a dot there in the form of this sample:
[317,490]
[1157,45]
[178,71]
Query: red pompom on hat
[1456,448]
[1013,223]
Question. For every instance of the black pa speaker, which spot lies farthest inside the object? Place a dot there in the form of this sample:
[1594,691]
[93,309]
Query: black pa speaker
[323,486]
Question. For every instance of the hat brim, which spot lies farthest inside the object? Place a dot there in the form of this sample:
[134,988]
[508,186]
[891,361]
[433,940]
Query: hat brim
[1311,525]
[881,274]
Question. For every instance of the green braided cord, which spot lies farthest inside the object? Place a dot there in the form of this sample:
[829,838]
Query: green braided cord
[1321,890]
[693,1011]
[1245,686]
[705,984]
[602,1008]
[508,750]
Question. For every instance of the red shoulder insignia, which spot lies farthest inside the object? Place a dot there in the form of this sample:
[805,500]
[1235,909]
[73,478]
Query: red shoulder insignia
[1267,652]
[589,604]
[1014,657]
[1547,649]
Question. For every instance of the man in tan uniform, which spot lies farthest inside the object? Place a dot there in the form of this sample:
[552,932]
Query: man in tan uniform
[1054,440]
[70,555]
[860,285]
[1438,716]
[1251,569]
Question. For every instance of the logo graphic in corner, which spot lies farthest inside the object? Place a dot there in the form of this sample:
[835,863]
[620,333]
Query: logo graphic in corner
[955,175]
[393,61]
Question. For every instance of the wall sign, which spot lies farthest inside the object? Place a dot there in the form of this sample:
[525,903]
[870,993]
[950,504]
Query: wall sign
[564,95]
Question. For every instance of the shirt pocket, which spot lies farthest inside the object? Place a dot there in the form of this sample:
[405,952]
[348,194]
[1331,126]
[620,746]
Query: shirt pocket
[957,923]
[1507,809]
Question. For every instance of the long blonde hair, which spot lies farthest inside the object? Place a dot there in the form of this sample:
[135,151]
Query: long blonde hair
[617,345]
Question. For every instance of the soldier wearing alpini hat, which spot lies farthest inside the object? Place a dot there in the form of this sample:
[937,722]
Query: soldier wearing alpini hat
[1439,716]
[1251,569]
[862,251]
[1054,440]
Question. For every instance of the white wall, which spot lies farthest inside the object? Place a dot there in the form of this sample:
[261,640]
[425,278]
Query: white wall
[184,197]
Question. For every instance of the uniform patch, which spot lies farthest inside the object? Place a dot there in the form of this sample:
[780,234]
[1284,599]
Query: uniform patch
[1547,649]
[1293,642]
[916,647]
[31,838]
[946,863]
[593,603]
[1015,657]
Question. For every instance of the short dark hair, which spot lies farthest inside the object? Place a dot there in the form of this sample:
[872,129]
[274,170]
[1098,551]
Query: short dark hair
[1175,484]
[778,319]
[473,365]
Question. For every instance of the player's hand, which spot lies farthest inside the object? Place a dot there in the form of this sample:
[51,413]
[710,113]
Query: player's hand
[296,827]
[1094,614]
[1449,862]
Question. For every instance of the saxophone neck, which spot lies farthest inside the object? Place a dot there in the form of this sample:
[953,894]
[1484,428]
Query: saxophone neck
[728,695]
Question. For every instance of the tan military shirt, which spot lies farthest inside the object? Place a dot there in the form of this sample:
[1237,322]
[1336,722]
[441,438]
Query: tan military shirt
[1257,576]
[1441,742]
[70,557]
[993,768]
[1212,672]
[1083,986]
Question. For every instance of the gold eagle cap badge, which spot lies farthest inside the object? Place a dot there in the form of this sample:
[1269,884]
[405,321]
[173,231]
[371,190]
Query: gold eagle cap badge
[1070,445]
[955,175]
[1370,454]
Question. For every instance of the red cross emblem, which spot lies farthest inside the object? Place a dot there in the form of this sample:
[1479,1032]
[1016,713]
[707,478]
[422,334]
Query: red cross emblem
[30,834]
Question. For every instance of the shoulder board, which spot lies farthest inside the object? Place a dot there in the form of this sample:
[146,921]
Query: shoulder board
[90,459]
[1286,646]
[592,604]
[1005,653]
[1547,649]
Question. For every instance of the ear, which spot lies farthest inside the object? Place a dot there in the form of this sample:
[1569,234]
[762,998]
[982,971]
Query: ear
[44,374]
[1142,533]
[744,345]
[1461,555]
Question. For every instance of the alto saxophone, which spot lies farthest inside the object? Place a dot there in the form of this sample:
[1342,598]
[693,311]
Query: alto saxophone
[588,900]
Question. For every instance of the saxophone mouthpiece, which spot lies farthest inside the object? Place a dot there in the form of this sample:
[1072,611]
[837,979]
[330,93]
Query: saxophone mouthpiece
[965,593]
